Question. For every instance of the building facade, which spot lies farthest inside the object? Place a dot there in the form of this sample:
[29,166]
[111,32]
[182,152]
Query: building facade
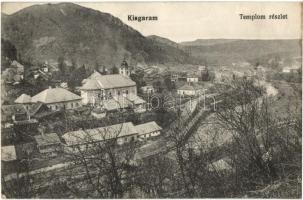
[97,87]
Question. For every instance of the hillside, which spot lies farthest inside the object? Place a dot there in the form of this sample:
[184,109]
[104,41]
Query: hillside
[45,32]
[162,40]
[206,42]
[227,51]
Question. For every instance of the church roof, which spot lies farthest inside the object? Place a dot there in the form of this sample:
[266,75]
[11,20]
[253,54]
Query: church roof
[106,82]
[54,95]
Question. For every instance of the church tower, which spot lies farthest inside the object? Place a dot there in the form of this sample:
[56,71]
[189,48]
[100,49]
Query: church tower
[124,69]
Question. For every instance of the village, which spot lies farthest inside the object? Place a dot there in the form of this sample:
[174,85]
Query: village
[125,105]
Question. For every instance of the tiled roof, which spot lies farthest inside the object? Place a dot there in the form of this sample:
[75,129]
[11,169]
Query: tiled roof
[148,127]
[220,165]
[8,153]
[24,98]
[47,139]
[95,82]
[54,95]
[99,134]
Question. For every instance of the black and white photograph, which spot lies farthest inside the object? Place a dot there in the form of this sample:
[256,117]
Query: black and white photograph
[151,100]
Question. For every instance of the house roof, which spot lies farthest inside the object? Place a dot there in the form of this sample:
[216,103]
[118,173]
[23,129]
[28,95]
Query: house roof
[220,165]
[99,134]
[96,82]
[47,139]
[54,95]
[135,99]
[24,98]
[8,153]
[148,127]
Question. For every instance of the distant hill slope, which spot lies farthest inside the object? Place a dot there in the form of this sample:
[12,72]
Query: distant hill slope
[206,42]
[163,40]
[227,51]
[45,32]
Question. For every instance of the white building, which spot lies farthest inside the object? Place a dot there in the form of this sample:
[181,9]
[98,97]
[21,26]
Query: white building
[97,87]
[85,139]
[58,98]
[123,133]
[148,89]
[192,78]
[189,90]
[147,130]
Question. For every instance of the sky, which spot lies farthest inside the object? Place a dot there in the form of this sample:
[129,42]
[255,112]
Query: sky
[188,21]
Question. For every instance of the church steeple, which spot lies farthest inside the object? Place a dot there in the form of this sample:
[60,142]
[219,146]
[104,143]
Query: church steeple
[124,68]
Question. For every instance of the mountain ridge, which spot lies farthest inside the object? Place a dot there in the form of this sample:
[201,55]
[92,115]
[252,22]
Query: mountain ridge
[47,31]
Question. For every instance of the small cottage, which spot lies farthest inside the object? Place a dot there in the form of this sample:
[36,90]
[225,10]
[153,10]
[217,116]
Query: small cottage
[190,90]
[85,139]
[147,130]
[48,144]
[148,89]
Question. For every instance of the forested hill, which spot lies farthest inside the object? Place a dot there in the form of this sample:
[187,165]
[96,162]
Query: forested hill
[46,32]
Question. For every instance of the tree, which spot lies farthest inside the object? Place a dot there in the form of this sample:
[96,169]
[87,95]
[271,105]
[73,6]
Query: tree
[61,65]
[102,169]
[258,140]
[138,78]
[115,70]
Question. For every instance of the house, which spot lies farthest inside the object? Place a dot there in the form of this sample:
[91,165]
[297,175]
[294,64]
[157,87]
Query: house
[97,87]
[192,78]
[148,89]
[45,68]
[221,165]
[189,90]
[8,153]
[138,104]
[40,110]
[124,69]
[10,76]
[15,114]
[48,144]
[174,77]
[98,112]
[58,98]
[84,139]
[290,69]
[147,130]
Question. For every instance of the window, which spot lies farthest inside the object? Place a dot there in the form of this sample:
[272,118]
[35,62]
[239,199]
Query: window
[126,91]
[119,93]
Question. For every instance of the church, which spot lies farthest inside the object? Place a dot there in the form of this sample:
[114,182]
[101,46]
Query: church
[99,89]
